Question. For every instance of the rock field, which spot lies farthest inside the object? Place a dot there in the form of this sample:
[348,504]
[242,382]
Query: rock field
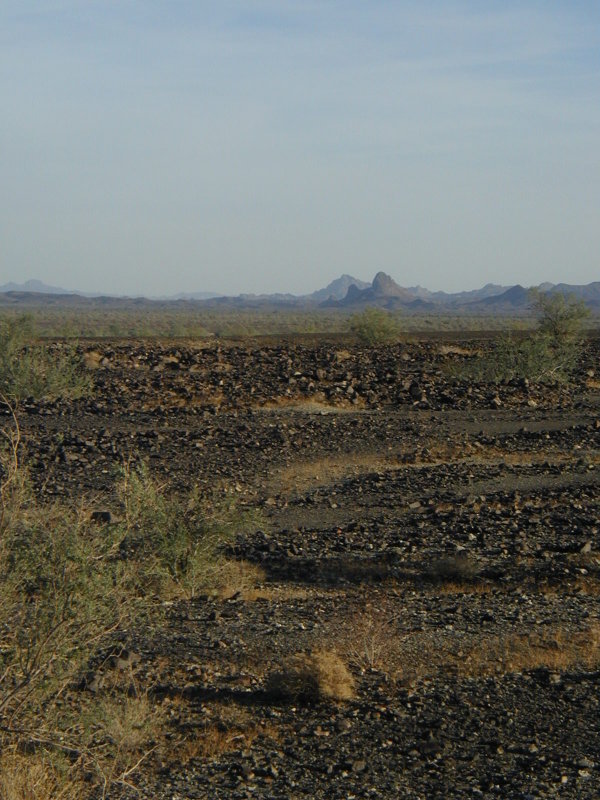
[443,537]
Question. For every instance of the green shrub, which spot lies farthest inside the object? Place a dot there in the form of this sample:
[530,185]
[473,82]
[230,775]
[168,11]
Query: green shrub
[550,354]
[71,589]
[560,316]
[374,325]
[175,543]
[538,358]
[35,370]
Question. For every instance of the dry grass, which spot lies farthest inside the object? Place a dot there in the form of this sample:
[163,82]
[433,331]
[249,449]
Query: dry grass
[556,650]
[238,578]
[209,744]
[311,678]
[318,405]
[230,728]
[374,639]
[588,584]
[451,349]
[303,475]
[35,777]
[278,593]
[465,587]
[229,578]
[426,654]
[366,644]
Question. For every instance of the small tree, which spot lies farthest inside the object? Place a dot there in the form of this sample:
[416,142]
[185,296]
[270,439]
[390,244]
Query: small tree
[374,325]
[560,315]
[549,354]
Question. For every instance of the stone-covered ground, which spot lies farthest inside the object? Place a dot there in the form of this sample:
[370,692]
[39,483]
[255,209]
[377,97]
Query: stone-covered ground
[442,536]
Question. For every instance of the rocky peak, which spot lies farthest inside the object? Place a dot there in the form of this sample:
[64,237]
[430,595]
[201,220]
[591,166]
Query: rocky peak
[385,285]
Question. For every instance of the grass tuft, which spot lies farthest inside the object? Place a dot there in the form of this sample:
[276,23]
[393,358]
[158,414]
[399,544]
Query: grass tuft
[311,678]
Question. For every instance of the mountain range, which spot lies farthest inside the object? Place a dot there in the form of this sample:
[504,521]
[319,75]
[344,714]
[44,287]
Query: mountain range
[346,292]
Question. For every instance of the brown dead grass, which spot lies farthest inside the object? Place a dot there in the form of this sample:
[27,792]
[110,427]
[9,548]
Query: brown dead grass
[373,638]
[319,405]
[588,585]
[231,728]
[238,578]
[425,654]
[35,777]
[277,593]
[310,678]
[557,650]
[465,587]
[303,475]
[451,349]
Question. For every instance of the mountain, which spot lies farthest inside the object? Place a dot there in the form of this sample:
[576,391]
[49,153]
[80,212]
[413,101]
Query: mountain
[345,292]
[33,286]
[337,289]
[590,293]
[190,296]
[515,297]
[383,292]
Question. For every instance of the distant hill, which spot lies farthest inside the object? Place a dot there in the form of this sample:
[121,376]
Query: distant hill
[383,292]
[344,293]
[589,293]
[337,289]
[190,296]
[515,297]
[38,287]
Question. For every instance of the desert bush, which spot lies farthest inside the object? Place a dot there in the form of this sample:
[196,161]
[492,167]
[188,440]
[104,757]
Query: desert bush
[63,593]
[560,316]
[549,354]
[374,325]
[536,358]
[176,544]
[310,678]
[34,370]
[366,640]
[70,589]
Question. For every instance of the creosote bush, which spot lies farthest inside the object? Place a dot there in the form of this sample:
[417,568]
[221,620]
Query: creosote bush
[374,326]
[549,355]
[71,589]
[29,369]
[176,543]
[560,316]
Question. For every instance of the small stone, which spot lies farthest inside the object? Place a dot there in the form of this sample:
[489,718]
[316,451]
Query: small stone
[101,517]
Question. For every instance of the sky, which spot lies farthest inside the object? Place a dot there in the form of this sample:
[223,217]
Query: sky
[163,146]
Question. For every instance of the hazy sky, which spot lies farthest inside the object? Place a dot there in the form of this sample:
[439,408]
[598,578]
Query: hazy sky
[159,146]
